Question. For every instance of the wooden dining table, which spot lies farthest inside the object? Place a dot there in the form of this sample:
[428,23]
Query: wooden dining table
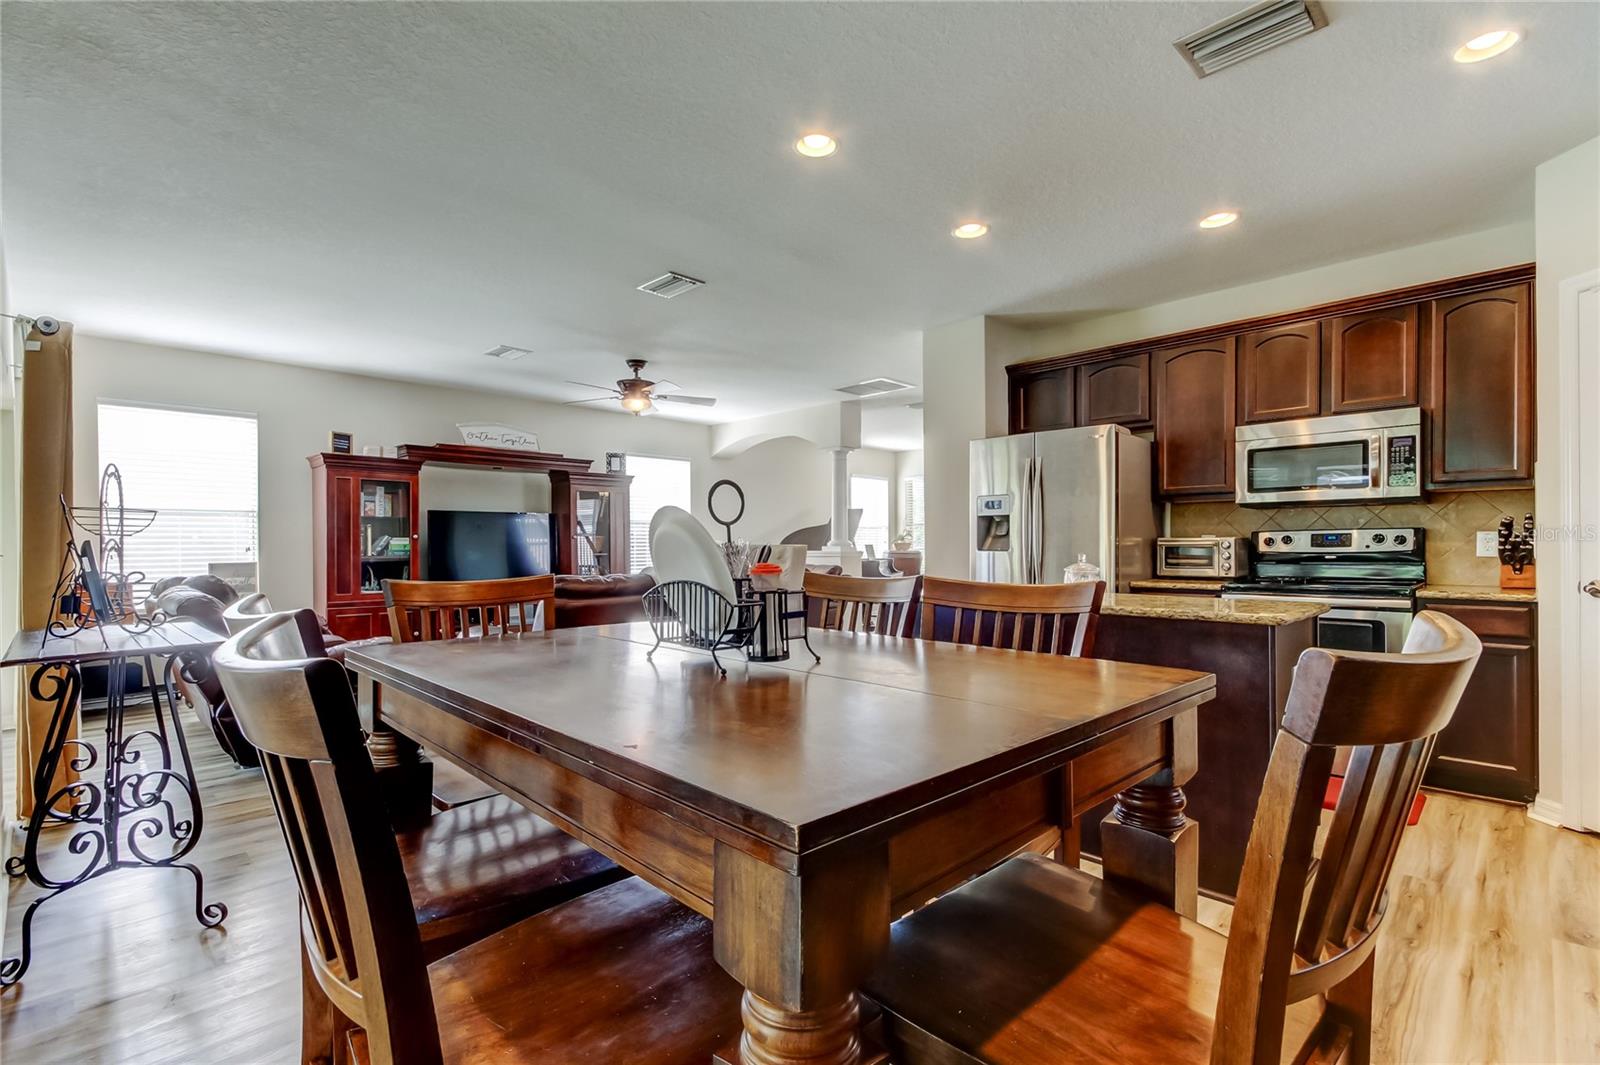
[803,806]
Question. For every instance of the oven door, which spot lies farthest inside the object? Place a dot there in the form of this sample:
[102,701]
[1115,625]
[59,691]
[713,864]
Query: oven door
[1353,624]
[1345,629]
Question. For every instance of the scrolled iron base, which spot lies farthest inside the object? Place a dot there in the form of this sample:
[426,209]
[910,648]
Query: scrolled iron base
[143,813]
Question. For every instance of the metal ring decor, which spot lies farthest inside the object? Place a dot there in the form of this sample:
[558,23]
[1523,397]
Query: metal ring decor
[711,508]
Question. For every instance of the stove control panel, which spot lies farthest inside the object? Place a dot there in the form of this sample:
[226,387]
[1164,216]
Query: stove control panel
[1338,541]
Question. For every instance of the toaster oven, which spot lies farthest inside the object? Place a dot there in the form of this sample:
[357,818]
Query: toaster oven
[1202,556]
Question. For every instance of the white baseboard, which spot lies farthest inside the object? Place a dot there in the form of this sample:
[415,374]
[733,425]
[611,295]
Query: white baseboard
[1546,811]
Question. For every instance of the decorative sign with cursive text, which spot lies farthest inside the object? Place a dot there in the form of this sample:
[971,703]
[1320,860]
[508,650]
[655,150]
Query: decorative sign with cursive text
[493,434]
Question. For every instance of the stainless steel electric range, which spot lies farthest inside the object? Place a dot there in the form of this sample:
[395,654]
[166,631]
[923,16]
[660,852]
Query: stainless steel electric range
[1368,577]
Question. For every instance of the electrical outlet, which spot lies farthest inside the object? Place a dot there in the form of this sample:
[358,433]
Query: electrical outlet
[1488,544]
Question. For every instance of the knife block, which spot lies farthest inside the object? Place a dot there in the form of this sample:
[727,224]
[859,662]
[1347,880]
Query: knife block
[1510,579]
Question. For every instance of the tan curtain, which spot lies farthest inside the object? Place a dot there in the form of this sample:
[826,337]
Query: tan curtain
[45,409]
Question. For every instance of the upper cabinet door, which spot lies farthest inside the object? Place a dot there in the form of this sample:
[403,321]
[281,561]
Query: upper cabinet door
[1115,392]
[1195,417]
[1041,400]
[1479,387]
[1280,373]
[1372,360]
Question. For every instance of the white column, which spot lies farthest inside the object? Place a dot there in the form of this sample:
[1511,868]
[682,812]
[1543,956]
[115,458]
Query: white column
[841,500]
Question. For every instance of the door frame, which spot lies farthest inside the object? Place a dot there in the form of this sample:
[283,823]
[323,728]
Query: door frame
[1578,805]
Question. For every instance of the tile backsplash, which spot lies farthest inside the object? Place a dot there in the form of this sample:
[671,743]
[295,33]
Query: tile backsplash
[1453,520]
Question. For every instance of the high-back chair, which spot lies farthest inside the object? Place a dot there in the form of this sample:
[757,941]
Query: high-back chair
[1074,964]
[476,869]
[863,604]
[1049,618]
[538,990]
[444,610]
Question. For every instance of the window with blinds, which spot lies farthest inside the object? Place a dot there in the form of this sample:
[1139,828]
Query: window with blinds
[913,510]
[870,495]
[656,483]
[198,471]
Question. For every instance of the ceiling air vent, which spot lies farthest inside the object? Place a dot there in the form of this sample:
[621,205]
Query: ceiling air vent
[1250,32]
[508,353]
[876,386]
[670,284]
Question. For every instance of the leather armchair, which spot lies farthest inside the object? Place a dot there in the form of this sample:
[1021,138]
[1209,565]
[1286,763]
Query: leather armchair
[600,600]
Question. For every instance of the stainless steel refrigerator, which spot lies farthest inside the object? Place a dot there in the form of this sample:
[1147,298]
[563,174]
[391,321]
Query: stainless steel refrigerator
[1039,500]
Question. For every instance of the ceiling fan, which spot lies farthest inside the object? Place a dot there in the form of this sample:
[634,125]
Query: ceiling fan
[639,396]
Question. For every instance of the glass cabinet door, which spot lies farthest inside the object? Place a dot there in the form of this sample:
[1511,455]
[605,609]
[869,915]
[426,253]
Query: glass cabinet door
[592,531]
[383,532]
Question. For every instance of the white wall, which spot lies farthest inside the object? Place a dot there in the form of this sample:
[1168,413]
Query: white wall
[1567,233]
[1414,265]
[953,387]
[786,482]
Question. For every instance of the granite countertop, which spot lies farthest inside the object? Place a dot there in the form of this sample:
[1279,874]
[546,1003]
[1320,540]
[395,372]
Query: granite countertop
[1177,584]
[1489,593]
[1202,608]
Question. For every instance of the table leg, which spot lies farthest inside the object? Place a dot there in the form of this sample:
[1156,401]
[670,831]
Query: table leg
[1147,842]
[405,775]
[800,944]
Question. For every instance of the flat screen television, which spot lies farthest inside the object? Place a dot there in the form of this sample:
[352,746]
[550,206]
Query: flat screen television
[473,545]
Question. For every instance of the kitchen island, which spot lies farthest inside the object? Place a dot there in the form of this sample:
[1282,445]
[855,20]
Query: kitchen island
[1251,645]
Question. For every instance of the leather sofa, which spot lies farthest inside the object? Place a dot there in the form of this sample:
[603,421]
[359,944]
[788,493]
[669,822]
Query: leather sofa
[608,600]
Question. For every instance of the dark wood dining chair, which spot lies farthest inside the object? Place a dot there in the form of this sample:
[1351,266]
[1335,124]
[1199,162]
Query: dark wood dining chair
[622,974]
[444,610]
[451,787]
[863,604]
[471,871]
[1034,962]
[1048,618]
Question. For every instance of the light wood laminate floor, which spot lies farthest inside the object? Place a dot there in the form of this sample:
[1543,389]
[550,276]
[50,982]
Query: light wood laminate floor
[1491,950]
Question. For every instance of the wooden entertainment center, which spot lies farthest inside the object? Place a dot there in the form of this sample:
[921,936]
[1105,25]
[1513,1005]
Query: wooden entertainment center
[366,510]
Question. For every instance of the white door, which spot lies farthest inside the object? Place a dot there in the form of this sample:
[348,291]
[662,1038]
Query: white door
[1580,351]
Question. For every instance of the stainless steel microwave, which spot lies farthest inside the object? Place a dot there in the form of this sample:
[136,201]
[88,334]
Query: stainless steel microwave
[1202,556]
[1337,459]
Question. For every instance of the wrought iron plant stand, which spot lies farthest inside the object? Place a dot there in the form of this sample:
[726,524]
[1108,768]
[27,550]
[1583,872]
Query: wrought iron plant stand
[143,811]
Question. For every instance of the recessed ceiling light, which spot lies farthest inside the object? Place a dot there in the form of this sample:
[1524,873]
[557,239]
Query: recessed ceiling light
[969,230]
[1219,219]
[816,145]
[1487,46]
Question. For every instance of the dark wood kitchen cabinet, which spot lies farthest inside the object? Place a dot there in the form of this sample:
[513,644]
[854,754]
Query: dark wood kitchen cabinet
[1195,417]
[1370,360]
[1460,348]
[1490,747]
[1115,392]
[1478,387]
[1042,400]
[1280,373]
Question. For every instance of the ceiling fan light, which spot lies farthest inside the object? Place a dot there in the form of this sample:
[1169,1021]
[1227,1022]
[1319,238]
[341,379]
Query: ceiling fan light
[636,404]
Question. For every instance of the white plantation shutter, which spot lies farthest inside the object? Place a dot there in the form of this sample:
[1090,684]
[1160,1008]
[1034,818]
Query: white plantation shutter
[871,496]
[656,483]
[913,509]
[198,471]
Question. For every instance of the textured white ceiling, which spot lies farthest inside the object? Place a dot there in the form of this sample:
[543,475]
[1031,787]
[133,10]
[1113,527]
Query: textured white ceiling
[394,188]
